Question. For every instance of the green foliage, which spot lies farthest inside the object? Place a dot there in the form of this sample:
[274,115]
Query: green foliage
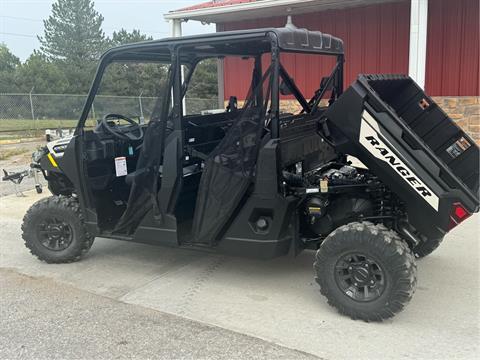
[124,37]
[132,79]
[8,61]
[41,74]
[8,66]
[72,43]
[79,76]
[204,80]
[73,32]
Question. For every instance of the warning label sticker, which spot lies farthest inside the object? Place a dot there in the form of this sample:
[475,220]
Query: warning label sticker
[458,147]
[121,166]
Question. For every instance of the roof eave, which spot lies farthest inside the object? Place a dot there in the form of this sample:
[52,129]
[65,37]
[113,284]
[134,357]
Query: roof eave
[198,14]
[264,8]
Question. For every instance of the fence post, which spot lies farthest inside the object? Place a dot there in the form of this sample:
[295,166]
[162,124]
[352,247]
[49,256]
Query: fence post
[141,107]
[33,112]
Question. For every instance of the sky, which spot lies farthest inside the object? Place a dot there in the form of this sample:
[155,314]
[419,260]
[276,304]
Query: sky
[21,20]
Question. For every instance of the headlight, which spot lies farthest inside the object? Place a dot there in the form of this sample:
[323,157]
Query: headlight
[60,148]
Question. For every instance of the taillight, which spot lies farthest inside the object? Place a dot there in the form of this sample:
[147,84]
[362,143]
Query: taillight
[457,215]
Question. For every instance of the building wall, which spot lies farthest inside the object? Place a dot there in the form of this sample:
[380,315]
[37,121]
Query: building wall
[376,40]
[464,110]
[452,71]
[453,48]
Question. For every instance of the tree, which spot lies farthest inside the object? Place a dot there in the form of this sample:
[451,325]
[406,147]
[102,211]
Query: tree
[73,41]
[8,66]
[204,83]
[131,79]
[8,61]
[124,37]
[44,75]
[73,32]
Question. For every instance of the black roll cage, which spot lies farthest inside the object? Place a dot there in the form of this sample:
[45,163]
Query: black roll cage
[191,50]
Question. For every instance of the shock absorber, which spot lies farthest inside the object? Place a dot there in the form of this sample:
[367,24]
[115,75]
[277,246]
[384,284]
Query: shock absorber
[382,200]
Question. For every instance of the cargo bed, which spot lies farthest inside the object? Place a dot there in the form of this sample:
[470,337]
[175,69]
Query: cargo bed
[408,141]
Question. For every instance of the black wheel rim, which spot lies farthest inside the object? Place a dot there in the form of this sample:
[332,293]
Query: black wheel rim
[55,234]
[360,277]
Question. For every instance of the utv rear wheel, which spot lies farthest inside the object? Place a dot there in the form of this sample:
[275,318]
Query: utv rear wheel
[426,247]
[366,271]
[53,230]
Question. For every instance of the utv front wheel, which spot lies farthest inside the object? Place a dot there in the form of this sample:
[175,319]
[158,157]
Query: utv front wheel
[366,271]
[53,230]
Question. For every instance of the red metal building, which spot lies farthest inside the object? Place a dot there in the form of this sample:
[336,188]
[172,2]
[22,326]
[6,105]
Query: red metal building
[436,42]
[368,49]
[453,48]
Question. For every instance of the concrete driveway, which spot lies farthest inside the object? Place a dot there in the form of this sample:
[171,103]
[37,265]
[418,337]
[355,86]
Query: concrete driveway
[275,300]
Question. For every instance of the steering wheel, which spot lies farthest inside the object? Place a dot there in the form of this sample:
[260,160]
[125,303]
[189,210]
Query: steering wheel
[124,133]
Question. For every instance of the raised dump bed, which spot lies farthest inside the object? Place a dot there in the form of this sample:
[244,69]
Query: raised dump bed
[427,120]
[409,142]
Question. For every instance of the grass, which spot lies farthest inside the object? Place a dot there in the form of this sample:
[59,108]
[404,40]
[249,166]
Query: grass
[7,154]
[28,124]
[18,130]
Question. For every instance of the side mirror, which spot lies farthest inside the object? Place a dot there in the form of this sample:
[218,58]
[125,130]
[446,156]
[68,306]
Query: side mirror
[284,89]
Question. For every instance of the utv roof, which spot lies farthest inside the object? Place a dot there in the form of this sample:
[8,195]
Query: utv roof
[240,42]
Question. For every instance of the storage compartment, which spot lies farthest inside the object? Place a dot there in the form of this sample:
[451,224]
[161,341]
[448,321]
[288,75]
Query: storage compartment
[432,125]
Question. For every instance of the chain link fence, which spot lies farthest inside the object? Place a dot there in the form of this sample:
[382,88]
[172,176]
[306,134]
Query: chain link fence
[28,115]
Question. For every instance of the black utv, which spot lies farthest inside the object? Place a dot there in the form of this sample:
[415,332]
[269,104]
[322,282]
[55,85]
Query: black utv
[369,178]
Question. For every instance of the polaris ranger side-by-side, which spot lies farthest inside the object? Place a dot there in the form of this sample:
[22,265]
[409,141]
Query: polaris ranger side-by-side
[256,181]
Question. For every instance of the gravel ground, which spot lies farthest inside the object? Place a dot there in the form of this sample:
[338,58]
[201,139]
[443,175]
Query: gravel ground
[42,319]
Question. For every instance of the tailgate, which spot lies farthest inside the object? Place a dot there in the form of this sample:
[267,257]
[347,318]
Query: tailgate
[408,141]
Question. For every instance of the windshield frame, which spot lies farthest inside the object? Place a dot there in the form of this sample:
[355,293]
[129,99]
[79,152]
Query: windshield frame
[105,62]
